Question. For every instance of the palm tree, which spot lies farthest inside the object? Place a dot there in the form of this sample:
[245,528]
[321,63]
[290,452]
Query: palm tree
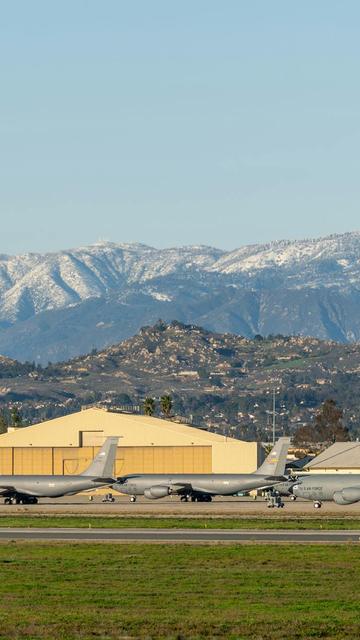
[166,405]
[149,406]
[16,419]
[3,423]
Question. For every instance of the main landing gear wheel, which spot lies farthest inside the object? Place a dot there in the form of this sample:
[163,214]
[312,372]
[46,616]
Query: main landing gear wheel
[25,500]
[133,499]
[317,504]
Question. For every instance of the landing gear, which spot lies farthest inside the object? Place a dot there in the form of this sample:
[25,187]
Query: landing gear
[292,497]
[317,504]
[201,498]
[20,500]
[184,498]
[132,498]
[26,500]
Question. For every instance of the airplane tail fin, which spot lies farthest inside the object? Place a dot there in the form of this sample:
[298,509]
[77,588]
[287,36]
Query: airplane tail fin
[103,464]
[274,464]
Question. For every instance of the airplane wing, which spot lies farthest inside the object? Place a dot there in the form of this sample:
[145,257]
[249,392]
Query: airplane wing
[8,488]
[186,487]
[268,483]
[180,487]
[5,488]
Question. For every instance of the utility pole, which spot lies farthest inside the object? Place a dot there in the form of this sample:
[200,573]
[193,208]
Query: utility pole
[274,416]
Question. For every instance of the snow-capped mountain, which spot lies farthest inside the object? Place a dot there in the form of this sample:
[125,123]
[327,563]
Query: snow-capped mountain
[33,283]
[60,304]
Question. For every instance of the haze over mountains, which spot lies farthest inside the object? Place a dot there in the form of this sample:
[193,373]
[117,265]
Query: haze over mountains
[58,305]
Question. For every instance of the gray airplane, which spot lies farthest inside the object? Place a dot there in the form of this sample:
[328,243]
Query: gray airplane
[26,489]
[202,487]
[340,488]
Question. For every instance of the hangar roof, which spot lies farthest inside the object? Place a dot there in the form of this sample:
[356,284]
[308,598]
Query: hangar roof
[93,424]
[339,455]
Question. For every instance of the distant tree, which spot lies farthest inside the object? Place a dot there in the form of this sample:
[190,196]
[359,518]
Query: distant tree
[3,423]
[16,418]
[166,405]
[149,406]
[327,427]
[160,325]
[123,398]
[328,423]
[305,436]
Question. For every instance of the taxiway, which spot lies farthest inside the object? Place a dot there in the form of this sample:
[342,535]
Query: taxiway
[177,535]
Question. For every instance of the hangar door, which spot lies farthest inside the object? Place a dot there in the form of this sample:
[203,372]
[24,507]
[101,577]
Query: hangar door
[194,459]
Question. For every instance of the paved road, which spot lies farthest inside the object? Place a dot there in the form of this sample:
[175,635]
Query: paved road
[178,535]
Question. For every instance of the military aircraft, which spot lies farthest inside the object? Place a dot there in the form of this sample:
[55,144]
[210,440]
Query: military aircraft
[340,488]
[202,487]
[26,489]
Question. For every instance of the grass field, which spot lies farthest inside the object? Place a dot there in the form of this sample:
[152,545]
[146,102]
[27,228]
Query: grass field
[54,591]
[116,522]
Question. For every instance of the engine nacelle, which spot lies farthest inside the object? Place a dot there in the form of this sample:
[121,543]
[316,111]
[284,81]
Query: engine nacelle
[156,492]
[347,496]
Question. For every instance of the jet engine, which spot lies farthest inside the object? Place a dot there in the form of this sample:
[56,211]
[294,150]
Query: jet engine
[347,496]
[154,493]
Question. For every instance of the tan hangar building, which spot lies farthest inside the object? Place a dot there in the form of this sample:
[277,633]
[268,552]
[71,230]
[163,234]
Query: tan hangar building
[340,457]
[67,445]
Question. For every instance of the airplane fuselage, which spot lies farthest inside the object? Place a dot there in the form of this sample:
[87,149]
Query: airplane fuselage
[323,487]
[43,486]
[211,483]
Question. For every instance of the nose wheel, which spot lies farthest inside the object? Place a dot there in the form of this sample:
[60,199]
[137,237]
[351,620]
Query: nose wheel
[133,499]
[317,504]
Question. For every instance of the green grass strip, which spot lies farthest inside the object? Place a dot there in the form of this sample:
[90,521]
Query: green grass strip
[117,522]
[112,592]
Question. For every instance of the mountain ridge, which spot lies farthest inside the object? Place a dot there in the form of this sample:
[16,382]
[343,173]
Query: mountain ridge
[311,287]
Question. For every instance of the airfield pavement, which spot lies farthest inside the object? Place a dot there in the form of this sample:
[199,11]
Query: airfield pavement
[161,536]
[172,506]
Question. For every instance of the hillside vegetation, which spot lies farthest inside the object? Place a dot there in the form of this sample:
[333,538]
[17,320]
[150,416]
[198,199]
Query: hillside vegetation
[222,381]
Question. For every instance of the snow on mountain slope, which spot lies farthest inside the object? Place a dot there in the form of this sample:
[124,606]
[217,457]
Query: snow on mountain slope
[33,283]
[345,249]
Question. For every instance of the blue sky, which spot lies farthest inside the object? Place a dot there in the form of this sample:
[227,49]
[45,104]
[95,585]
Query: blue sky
[172,123]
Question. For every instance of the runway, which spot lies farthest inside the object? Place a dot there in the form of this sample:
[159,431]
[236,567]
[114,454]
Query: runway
[178,535]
